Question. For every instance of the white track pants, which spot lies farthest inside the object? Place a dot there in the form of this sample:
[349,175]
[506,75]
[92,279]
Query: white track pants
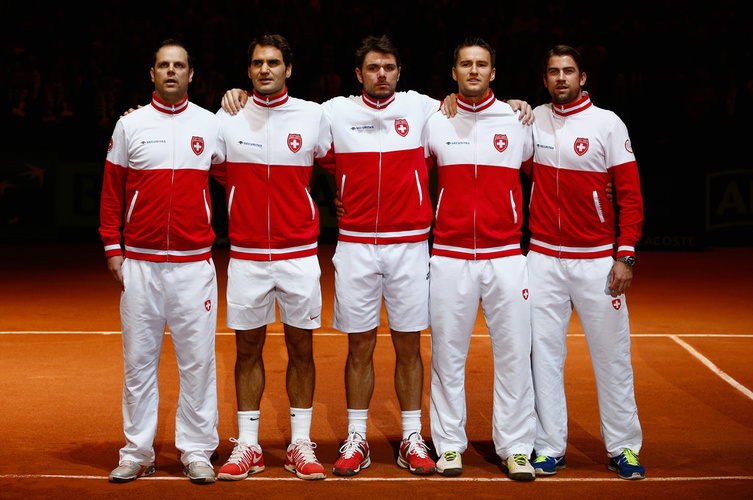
[183,296]
[456,286]
[558,285]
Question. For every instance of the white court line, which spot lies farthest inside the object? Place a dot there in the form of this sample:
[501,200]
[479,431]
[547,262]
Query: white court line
[711,366]
[405,479]
[340,334]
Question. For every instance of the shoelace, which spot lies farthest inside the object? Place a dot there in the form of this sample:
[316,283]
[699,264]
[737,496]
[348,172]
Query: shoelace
[541,458]
[239,451]
[350,447]
[417,445]
[519,459]
[450,456]
[305,451]
[630,457]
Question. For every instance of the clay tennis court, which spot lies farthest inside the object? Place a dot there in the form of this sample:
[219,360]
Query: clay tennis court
[61,362]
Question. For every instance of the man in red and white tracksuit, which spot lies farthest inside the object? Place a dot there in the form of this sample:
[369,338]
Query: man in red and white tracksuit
[476,255]
[579,148]
[382,251]
[156,189]
[273,227]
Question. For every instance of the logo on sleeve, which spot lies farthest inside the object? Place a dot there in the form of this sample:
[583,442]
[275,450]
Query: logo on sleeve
[617,303]
[109,147]
[629,146]
[295,142]
[208,305]
[500,142]
[197,145]
[525,294]
[401,127]
[581,146]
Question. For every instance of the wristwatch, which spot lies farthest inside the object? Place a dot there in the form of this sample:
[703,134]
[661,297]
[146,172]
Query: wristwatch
[628,260]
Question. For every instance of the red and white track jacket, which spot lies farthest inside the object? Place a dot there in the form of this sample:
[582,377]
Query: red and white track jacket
[480,203]
[156,183]
[579,148]
[379,166]
[271,146]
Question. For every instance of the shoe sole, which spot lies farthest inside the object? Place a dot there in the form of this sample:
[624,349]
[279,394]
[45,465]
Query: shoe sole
[522,477]
[307,477]
[634,477]
[339,471]
[419,471]
[450,471]
[238,477]
[542,472]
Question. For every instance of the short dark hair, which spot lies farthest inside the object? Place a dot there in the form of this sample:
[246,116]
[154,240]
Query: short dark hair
[564,50]
[381,44]
[472,41]
[167,42]
[277,41]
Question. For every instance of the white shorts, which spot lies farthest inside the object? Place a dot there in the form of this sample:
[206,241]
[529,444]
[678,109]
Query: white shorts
[253,286]
[365,273]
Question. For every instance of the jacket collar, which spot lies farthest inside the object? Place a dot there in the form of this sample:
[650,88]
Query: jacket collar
[475,107]
[170,109]
[268,102]
[575,107]
[375,103]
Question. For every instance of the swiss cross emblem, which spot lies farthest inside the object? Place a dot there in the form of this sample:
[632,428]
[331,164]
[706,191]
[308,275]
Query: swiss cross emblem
[197,145]
[208,305]
[617,303]
[401,127]
[525,294]
[109,147]
[581,146]
[500,142]
[294,142]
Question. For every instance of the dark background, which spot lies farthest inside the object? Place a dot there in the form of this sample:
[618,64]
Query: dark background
[679,75]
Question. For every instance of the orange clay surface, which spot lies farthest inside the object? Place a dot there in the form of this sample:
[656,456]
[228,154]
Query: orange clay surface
[61,375]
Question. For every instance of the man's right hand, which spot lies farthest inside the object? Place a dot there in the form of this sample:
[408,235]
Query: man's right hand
[115,265]
[234,100]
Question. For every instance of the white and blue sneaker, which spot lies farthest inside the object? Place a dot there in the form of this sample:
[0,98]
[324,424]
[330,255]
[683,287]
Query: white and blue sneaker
[548,466]
[626,465]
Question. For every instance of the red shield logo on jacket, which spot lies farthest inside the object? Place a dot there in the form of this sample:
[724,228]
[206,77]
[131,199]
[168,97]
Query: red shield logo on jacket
[197,145]
[208,305]
[295,142]
[617,303]
[500,142]
[525,294]
[581,146]
[401,127]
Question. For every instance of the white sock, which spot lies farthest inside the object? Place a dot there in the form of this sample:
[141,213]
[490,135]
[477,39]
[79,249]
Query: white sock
[411,422]
[357,421]
[248,427]
[300,423]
